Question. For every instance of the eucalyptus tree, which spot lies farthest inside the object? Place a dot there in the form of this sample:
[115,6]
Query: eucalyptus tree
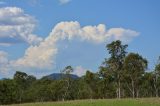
[66,72]
[147,85]
[156,78]
[134,66]
[115,62]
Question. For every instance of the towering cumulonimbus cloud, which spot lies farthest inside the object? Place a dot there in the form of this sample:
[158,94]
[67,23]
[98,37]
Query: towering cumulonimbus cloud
[42,55]
[17,26]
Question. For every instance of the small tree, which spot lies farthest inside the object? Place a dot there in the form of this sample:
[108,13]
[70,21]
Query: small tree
[23,82]
[21,79]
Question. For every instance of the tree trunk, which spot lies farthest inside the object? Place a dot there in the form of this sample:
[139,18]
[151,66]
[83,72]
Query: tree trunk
[157,92]
[119,89]
[155,86]
[137,93]
[133,89]
[117,92]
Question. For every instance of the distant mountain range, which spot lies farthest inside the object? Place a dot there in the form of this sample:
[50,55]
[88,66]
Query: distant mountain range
[57,76]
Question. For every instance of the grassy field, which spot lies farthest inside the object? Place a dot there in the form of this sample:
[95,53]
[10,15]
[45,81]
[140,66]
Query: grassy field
[104,102]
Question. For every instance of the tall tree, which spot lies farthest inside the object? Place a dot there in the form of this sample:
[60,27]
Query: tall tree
[117,53]
[134,66]
[67,78]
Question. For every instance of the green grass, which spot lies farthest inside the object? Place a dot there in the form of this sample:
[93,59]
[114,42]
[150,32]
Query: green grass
[100,102]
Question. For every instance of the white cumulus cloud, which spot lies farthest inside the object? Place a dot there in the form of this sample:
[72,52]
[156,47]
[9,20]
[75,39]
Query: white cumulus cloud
[43,54]
[16,27]
[95,34]
[125,35]
[39,56]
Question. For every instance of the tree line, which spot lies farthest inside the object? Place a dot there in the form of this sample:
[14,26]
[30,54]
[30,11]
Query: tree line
[121,75]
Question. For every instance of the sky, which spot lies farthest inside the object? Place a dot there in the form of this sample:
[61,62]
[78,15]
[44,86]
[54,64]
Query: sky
[41,37]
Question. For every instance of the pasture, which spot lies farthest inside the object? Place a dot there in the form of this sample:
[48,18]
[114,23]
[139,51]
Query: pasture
[99,102]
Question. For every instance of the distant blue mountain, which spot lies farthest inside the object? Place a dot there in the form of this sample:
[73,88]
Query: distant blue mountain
[58,76]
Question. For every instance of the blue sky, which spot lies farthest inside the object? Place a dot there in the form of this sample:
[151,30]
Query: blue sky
[134,22]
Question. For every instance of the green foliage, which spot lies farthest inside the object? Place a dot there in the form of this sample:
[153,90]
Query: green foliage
[114,64]
[121,75]
[134,66]
[8,91]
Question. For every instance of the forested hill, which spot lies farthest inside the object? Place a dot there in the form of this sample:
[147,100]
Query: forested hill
[58,76]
